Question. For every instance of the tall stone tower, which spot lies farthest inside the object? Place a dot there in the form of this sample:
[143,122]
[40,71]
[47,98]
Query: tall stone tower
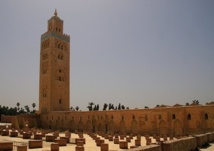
[54,68]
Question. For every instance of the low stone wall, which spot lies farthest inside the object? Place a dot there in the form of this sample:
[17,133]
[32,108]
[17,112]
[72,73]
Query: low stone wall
[210,137]
[201,139]
[147,148]
[7,118]
[188,143]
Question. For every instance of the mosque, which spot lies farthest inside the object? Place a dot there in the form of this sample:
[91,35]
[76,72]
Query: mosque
[54,106]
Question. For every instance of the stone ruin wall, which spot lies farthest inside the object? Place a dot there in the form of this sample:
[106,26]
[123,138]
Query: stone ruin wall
[19,121]
[161,121]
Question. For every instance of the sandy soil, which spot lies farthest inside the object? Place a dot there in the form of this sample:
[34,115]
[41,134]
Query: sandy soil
[89,146]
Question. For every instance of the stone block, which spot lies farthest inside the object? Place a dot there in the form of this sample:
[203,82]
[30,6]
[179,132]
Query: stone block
[26,135]
[5,133]
[61,142]
[21,148]
[38,136]
[66,138]
[116,141]
[123,145]
[6,146]
[122,137]
[80,143]
[128,139]
[110,138]
[80,139]
[14,134]
[139,137]
[99,142]
[104,147]
[148,141]
[133,147]
[137,142]
[49,138]
[79,148]
[54,147]
[35,144]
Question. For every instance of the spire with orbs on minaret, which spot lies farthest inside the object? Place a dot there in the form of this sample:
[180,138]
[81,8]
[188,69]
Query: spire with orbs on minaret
[55,13]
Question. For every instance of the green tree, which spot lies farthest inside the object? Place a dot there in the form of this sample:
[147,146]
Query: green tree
[33,105]
[90,106]
[195,102]
[109,106]
[95,107]
[105,106]
[27,108]
[77,108]
[119,106]
[71,108]
[18,104]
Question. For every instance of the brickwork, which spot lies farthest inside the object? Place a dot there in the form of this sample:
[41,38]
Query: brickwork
[174,119]
[54,68]
[188,143]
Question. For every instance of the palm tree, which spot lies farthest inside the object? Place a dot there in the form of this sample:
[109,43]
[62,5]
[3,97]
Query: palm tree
[97,107]
[27,108]
[18,104]
[34,105]
[195,102]
[119,106]
[71,108]
[77,108]
[90,106]
[105,106]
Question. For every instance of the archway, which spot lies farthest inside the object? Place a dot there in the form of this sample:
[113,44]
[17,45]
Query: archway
[178,128]
[111,128]
[162,127]
[122,128]
[80,126]
[89,125]
[134,127]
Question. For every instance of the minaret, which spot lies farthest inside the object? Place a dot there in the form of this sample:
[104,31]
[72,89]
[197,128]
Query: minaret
[54,68]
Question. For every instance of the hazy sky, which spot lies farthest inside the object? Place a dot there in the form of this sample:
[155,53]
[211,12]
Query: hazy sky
[135,52]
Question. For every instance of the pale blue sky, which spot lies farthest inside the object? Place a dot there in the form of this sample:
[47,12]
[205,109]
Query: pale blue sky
[135,52]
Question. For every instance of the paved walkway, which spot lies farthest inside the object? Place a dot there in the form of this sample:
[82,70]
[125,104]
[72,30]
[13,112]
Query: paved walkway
[89,146]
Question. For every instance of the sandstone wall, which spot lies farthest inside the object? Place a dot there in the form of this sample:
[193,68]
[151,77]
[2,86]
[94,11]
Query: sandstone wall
[210,137]
[6,119]
[21,120]
[201,139]
[176,121]
[187,144]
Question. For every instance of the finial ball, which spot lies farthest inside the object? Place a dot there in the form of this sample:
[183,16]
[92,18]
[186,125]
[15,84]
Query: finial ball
[55,13]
